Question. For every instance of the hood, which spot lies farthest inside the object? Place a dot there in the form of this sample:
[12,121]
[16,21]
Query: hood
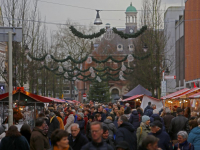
[135,112]
[195,130]
[107,121]
[155,115]
[128,126]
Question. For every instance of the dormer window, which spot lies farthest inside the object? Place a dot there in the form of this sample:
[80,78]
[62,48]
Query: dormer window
[120,47]
[131,47]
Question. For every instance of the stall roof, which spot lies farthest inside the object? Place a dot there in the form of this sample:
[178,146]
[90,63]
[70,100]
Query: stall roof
[138,90]
[177,93]
[55,99]
[197,95]
[132,98]
[196,89]
[4,97]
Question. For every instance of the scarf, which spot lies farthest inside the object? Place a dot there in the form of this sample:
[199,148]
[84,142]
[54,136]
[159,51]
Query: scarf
[51,119]
[56,148]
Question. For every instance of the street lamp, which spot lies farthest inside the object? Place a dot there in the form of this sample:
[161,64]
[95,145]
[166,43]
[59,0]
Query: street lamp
[145,48]
[167,70]
[97,21]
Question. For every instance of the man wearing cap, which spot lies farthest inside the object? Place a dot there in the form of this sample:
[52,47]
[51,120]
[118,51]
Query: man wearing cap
[179,123]
[164,140]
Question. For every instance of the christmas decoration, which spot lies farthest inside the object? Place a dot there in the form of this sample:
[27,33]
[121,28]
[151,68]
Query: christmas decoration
[123,68]
[130,58]
[109,35]
[89,60]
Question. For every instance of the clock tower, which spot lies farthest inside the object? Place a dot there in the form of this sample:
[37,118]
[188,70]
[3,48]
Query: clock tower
[131,19]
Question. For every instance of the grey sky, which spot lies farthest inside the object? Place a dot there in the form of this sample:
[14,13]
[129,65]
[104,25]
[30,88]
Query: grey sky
[60,13]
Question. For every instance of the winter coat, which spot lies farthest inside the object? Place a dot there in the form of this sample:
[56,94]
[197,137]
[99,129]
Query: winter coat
[14,143]
[111,127]
[142,132]
[179,123]
[81,124]
[148,112]
[60,122]
[184,146]
[79,142]
[167,121]
[97,146]
[54,124]
[27,135]
[157,117]
[134,119]
[126,132]
[164,140]
[88,131]
[148,107]
[38,140]
[110,141]
[70,120]
[194,137]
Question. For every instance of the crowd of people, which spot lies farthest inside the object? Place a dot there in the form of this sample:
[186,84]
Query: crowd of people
[96,126]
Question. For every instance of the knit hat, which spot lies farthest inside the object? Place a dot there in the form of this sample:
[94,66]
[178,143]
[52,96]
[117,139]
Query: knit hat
[145,118]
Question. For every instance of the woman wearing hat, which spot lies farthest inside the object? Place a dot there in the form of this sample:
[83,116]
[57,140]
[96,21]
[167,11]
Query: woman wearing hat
[143,130]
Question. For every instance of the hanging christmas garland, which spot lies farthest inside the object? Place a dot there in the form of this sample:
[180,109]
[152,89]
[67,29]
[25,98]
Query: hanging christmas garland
[126,36]
[38,59]
[69,58]
[90,36]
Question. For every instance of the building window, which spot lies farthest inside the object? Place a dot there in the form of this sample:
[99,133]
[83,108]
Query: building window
[40,81]
[66,91]
[131,47]
[120,47]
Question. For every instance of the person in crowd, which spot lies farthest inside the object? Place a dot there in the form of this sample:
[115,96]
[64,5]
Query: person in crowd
[81,122]
[14,140]
[62,115]
[59,118]
[126,132]
[109,140]
[69,119]
[110,108]
[149,111]
[167,118]
[183,144]
[193,116]
[127,112]
[110,125]
[148,107]
[86,121]
[150,143]
[106,112]
[126,106]
[143,130]
[76,139]
[46,118]
[88,131]
[54,124]
[140,113]
[38,139]
[122,109]
[75,116]
[97,141]
[92,111]
[25,130]
[192,124]
[100,111]
[113,113]
[134,119]
[118,114]
[97,117]
[156,116]
[187,112]
[87,113]
[179,123]
[59,140]
[123,145]
[2,132]
[194,136]
[164,140]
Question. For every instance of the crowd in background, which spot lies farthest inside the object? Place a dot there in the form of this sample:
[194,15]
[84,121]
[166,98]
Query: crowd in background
[106,127]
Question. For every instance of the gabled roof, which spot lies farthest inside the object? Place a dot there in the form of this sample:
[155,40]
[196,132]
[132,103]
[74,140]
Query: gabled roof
[138,90]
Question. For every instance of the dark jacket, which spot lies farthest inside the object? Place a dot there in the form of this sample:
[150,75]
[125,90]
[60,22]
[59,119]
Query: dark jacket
[179,123]
[88,131]
[148,111]
[148,107]
[167,121]
[164,140]
[111,127]
[14,143]
[54,124]
[110,141]
[142,148]
[157,117]
[27,135]
[97,146]
[184,146]
[126,132]
[81,124]
[79,142]
[134,119]
[38,140]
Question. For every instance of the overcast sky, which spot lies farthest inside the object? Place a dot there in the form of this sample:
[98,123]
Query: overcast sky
[59,12]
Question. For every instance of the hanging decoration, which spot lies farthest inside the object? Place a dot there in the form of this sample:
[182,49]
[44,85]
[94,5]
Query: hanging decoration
[109,35]
[60,68]
[65,64]
[48,58]
[91,70]
[89,60]
[123,68]
[90,36]
[121,73]
[93,75]
[121,78]
[130,58]
[74,78]
[126,36]
[66,75]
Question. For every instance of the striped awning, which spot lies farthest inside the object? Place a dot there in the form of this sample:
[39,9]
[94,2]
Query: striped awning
[197,95]
[54,99]
[177,93]
[132,98]
[184,95]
